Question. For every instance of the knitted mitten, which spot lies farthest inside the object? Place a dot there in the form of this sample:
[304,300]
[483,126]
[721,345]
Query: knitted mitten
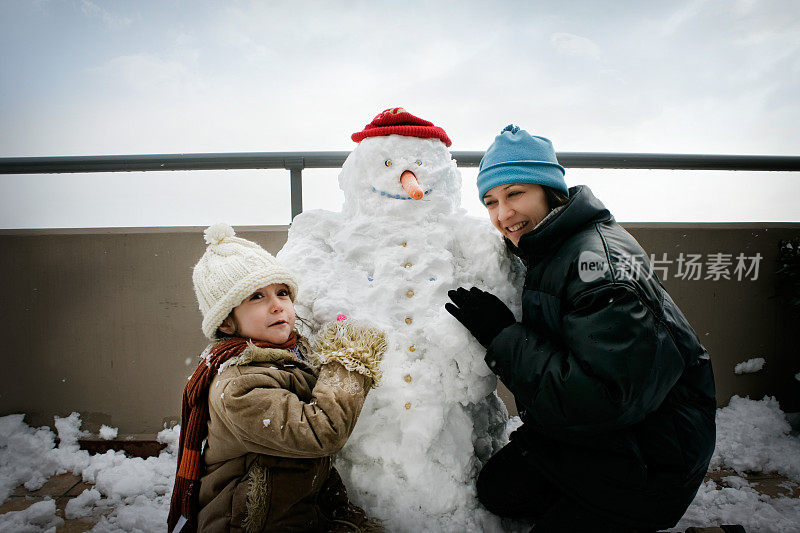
[358,347]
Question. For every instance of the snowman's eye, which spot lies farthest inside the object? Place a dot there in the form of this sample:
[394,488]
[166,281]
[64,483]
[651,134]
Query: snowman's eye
[388,162]
[418,162]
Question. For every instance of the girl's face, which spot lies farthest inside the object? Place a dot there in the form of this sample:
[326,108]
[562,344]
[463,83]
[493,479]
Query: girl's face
[516,208]
[266,315]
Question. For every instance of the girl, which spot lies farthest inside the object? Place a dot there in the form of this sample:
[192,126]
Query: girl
[272,408]
[614,389]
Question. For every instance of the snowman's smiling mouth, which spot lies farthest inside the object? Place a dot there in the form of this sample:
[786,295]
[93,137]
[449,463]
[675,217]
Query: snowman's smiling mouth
[398,196]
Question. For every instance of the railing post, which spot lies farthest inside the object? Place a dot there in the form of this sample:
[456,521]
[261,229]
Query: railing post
[296,177]
[295,166]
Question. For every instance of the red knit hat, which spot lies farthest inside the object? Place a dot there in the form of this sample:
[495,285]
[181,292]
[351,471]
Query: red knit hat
[400,122]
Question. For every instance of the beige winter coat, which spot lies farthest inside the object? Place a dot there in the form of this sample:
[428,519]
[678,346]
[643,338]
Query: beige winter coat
[274,423]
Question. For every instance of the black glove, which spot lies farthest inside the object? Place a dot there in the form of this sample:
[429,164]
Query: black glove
[482,313]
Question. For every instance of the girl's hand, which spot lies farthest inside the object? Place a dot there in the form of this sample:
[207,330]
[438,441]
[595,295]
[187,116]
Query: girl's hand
[356,345]
[481,312]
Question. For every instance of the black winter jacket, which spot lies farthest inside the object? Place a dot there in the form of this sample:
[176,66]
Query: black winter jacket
[614,389]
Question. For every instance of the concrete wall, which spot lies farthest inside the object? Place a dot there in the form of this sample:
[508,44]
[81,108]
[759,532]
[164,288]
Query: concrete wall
[735,320]
[104,321]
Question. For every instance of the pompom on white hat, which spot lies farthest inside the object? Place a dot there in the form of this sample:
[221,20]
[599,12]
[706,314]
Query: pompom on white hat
[231,270]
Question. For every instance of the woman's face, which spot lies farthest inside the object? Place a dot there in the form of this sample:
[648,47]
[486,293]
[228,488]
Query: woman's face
[516,208]
[266,315]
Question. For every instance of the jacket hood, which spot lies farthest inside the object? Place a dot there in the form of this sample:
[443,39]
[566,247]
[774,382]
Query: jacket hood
[582,209]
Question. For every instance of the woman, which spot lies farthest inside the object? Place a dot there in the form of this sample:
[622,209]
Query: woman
[614,389]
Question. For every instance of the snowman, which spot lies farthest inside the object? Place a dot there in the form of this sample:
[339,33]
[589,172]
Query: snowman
[399,244]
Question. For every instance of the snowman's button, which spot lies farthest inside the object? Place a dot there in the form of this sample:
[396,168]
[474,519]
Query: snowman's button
[410,293]
[408,378]
[408,406]
[407,265]
[412,348]
[409,320]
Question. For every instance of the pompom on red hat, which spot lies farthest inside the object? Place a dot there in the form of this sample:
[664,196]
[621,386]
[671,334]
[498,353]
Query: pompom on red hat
[398,121]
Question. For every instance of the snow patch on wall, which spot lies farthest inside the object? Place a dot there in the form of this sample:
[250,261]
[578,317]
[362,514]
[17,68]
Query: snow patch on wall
[750,366]
[108,433]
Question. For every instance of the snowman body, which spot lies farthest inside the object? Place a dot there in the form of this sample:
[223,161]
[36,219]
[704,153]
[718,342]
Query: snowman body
[435,419]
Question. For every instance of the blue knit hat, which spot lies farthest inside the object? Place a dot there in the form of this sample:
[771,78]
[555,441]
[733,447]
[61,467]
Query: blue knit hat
[516,156]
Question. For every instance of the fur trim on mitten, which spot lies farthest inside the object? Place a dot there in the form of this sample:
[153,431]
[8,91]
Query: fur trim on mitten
[358,347]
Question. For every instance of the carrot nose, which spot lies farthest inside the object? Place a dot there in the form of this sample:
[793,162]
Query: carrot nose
[410,184]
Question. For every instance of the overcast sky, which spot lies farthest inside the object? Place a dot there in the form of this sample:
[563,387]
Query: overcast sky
[83,77]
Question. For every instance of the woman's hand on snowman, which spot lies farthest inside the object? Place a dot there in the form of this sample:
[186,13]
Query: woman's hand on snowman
[481,312]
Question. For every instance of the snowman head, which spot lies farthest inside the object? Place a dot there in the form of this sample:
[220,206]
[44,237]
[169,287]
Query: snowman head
[401,165]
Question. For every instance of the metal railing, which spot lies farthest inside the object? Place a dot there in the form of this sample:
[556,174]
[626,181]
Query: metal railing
[295,162]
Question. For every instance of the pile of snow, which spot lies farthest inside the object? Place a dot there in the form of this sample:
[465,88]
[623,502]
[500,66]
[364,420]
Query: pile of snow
[755,436]
[750,366]
[135,490]
[83,504]
[41,516]
[751,436]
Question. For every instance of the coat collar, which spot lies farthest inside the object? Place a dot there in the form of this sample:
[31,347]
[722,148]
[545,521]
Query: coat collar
[254,354]
[582,209]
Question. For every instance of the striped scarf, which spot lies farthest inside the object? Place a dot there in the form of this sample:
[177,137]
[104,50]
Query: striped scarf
[184,505]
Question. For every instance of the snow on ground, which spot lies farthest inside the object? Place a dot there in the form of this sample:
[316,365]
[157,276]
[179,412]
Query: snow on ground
[751,436]
[137,489]
[729,505]
[41,516]
[750,366]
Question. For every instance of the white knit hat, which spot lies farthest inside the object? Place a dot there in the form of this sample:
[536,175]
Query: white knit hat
[231,270]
